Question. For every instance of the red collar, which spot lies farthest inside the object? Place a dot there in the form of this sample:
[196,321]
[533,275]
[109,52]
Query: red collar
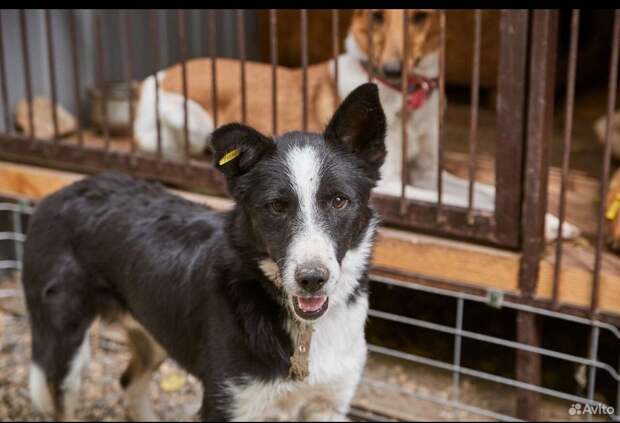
[419,88]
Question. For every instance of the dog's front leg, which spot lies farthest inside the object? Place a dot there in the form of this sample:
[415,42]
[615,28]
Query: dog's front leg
[332,401]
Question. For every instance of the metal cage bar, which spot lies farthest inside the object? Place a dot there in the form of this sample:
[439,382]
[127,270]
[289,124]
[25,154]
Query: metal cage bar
[568,128]
[511,124]
[442,113]
[75,62]
[52,69]
[335,45]
[154,29]
[3,84]
[304,68]
[182,43]
[369,41]
[474,106]
[125,24]
[404,116]
[23,26]
[241,46]
[273,39]
[100,78]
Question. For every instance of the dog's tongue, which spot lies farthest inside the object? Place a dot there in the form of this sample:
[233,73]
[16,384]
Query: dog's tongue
[311,303]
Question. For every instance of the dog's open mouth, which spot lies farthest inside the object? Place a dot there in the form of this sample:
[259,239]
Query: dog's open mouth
[310,308]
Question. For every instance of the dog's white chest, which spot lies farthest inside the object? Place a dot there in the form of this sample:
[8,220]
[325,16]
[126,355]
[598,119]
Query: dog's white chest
[338,344]
[337,358]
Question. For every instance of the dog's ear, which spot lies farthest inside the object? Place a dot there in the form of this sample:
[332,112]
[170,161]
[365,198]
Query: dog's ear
[358,125]
[236,148]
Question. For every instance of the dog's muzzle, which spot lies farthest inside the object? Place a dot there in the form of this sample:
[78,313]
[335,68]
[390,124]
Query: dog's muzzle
[312,303]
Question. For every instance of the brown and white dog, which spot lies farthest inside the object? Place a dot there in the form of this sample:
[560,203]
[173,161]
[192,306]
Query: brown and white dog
[388,56]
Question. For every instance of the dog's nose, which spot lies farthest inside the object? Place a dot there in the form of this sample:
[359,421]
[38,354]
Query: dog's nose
[392,69]
[311,277]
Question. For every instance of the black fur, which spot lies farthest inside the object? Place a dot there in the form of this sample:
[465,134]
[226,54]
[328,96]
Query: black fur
[188,274]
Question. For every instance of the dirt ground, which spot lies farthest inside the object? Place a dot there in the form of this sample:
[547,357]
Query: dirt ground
[392,389]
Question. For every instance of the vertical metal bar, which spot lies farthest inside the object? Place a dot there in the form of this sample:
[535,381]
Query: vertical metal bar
[568,129]
[456,362]
[3,86]
[100,69]
[442,108]
[273,36]
[539,134]
[213,52]
[76,76]
[23,25]
[17,228]
[183,50]
[335,45]
[241,39]
[511,124]
[369,65]
[126,29]
[473,123]
[52,72]
[528,365]
[304,67]
[611,103]
[404,116]
[594,338]
[156,64]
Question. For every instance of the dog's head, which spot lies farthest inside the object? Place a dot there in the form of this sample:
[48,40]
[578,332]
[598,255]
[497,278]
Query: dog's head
[305,197]
[386,41]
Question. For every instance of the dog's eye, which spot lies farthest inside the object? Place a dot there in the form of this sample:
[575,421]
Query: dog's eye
[278,206]
[339,202]
[419,18]
[377,17]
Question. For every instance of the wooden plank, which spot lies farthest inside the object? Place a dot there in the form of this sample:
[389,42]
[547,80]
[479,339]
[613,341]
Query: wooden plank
[436,257]
[36,182]
[474,265]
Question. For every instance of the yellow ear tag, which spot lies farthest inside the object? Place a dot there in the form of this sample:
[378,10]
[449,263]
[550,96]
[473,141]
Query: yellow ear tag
[614,207]
[232,154]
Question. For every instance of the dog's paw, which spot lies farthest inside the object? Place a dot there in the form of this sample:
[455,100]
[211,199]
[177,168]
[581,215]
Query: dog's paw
[552,225]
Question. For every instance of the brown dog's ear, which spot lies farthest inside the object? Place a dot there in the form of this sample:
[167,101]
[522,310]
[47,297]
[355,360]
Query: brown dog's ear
[359,125]
[236,148]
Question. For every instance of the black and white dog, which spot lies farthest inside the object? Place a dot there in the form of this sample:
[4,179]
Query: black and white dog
[220,293]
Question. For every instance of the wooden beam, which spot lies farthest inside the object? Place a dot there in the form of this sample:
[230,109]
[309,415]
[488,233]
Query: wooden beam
[469,264]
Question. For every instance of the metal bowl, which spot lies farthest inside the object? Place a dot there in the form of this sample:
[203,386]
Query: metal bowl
[113,99]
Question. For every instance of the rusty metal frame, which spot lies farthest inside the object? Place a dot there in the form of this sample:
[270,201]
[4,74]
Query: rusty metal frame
[500,228]
[538,138]
[511,124]
[520,170]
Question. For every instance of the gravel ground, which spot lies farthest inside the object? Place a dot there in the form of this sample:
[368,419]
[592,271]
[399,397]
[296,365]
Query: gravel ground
[406,391]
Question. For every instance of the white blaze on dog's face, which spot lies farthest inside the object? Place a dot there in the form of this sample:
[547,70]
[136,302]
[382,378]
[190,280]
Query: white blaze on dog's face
[311,266]
[305,197]
[386,39]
